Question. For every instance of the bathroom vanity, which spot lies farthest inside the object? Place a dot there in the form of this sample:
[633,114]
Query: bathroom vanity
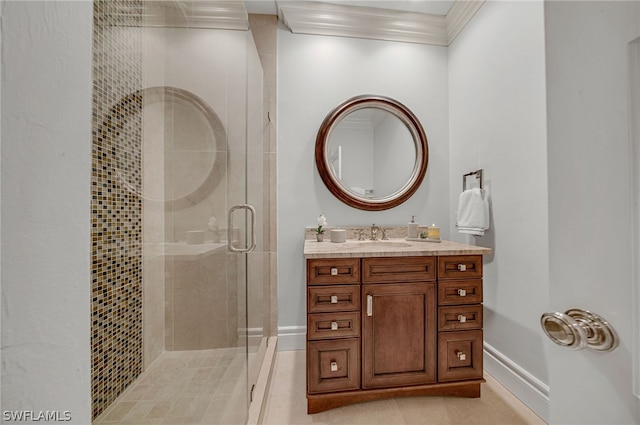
[392,318]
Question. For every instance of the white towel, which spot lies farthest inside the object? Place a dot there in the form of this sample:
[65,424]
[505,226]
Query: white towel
[473,212]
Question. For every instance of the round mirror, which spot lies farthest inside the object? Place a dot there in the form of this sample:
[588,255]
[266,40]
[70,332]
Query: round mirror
[371,152]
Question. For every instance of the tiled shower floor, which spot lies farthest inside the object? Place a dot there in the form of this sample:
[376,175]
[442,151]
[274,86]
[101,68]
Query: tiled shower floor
[184,387]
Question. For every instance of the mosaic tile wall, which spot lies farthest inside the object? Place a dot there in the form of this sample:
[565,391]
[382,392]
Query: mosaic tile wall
[116,245]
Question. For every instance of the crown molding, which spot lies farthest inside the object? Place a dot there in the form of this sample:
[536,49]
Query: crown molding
[305,17]
[211,14]
[362,22]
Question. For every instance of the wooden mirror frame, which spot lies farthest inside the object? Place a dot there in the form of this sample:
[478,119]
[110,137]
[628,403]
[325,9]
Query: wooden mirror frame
[336,187]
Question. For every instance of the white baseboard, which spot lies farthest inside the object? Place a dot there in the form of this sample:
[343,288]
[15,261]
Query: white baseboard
[526,387]
[292,338]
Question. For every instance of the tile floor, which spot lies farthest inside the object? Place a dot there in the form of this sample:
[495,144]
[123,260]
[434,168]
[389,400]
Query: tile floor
[286,404]
[184,387]
[202,387]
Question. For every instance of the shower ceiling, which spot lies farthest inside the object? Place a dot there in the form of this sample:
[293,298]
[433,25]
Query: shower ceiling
[195,14]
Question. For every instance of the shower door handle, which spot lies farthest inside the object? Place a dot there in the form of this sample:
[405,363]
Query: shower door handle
[252,228]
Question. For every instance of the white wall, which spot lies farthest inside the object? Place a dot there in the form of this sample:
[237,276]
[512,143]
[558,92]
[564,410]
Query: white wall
[590,222]
[497,123]
[315,74]
[46,165]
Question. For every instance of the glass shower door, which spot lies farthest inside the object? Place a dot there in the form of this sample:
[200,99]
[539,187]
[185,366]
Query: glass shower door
[196,167]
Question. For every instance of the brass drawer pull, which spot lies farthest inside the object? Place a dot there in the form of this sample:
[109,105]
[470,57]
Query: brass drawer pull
[334,326]
[462,318]
[334,299]
[334,271]
[461,356]
[334,366]
[369,305]
[462,267]
[462,293]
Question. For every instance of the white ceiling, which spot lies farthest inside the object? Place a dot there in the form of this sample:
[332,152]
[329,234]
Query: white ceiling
[436,7]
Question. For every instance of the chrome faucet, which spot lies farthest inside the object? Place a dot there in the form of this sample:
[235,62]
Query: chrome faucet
[374,232]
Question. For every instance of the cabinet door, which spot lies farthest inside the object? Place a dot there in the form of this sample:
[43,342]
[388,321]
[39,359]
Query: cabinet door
[399,334]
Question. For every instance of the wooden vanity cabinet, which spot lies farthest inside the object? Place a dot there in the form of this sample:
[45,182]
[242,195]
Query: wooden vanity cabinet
[381,327]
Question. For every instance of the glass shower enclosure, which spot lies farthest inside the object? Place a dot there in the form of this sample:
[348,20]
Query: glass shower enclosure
[205,263]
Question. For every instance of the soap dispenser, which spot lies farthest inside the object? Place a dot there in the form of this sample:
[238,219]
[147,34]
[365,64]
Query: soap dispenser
[412,228]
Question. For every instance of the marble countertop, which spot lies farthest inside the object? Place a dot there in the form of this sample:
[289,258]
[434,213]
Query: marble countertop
[396,247]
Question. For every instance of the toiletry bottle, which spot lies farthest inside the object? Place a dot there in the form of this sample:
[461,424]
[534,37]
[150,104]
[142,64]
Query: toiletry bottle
[412,228]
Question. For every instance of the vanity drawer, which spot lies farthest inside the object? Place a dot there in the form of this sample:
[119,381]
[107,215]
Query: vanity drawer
[333,325]
[323,299]
[459,266]
[460,317]
[459,355]
[451,292]
[398,269]
[333,271]
[333,365]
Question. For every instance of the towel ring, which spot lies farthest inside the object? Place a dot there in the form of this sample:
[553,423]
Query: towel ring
[477,173]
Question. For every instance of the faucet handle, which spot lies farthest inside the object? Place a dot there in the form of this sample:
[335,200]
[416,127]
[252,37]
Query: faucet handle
[360,234]
[384,234]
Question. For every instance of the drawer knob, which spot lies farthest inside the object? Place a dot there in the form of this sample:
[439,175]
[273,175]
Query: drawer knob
[334,326]
[462,318]
[334,271]
[462,293]
[334,366]
[461,356]
[462,267]
[334,299]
